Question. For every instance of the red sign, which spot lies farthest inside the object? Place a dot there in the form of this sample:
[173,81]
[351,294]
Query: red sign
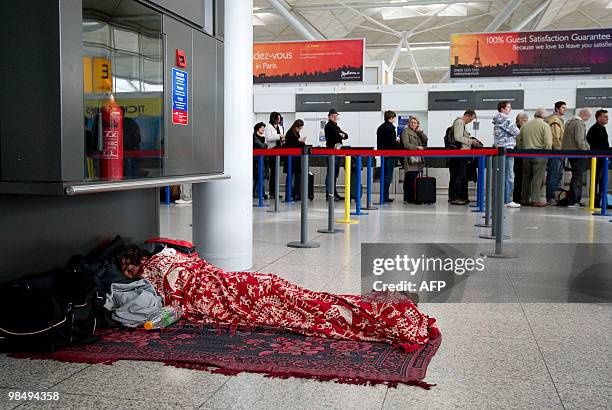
[181,60]
[308,61]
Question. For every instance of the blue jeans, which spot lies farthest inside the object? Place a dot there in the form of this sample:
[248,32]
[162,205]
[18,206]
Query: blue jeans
[554,173]
[389,166]
[509,182]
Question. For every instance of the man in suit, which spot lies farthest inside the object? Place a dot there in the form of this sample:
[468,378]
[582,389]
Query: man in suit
[333,139]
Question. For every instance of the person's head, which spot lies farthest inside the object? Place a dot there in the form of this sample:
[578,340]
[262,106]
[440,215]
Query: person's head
[504,107]
[414,123]
[390,116]
[333,115]
[585,113]
[275,118]
[560,107]
[259,128]
[601,116]
[297,125]
[130,262]
[521,119]
[540,113]
[469,116]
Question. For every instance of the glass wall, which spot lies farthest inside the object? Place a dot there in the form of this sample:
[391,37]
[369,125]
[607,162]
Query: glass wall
[123,90]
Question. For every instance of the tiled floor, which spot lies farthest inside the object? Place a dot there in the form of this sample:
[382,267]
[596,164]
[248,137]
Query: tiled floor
[500,349]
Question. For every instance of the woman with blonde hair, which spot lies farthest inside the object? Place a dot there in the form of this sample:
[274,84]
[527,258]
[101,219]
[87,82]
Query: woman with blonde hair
[412,138]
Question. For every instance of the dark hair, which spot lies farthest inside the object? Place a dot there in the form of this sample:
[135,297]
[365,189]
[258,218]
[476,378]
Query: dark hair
[273,116]
[258,126]
[389,114]
[599,113]
[502,104]
[559,104]
[470,113]
[297,123]
[133,256]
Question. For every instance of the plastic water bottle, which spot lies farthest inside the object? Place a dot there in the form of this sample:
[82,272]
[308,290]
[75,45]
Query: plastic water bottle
[164,318]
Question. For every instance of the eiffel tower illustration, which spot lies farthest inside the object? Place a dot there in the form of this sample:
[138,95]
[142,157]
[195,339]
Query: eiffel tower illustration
[477,62]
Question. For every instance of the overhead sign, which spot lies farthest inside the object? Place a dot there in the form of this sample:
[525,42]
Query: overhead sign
[180,97]
[308,61]
[536,53]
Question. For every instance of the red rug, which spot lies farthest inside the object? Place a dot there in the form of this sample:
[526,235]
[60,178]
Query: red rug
[272,352]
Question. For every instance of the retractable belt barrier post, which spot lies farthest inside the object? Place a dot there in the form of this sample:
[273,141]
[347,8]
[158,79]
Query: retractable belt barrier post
[289,183]
[358,188]
[304,243]
[260,189]
[276,183]
[487,195]
[369,205]
[381,200]
[498,222]
[331,165]
[603,190]
[480,185]
[347,193]
[592,188]
[497,192]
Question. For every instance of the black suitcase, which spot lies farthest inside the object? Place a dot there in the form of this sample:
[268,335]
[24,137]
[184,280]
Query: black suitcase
[425,190]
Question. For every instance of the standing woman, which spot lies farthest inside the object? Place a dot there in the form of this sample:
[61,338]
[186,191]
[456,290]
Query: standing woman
[521,119]
[274,136]
[293,139]
[412,138]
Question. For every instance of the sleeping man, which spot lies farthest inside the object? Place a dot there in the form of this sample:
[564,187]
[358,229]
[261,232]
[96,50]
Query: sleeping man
[207,294]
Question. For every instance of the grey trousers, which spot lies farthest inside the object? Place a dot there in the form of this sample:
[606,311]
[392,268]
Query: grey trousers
[534,180]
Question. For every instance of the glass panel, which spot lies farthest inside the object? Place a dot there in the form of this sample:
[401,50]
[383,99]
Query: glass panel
[123,90]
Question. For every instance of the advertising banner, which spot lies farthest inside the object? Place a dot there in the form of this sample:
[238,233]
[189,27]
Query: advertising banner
[537,53]
[308,61]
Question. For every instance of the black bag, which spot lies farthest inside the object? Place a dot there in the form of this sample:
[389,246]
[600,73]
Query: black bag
[50,311]
[425,190]
[449,139]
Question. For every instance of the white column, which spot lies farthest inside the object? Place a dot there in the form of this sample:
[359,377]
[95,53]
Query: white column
[223,210]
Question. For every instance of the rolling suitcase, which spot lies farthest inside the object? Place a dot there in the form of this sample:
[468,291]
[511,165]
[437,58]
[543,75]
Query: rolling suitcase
[425,189]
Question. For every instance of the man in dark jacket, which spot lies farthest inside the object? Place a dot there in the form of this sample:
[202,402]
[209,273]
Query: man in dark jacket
[333,139]
[386,138]
[597,137]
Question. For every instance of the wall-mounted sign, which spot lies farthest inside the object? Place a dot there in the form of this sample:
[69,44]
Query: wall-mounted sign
[180,97]
[536,53]
[594,97]
[308,61]
[97,75]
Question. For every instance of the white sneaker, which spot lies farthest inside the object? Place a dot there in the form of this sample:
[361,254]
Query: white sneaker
[512,205]
[182,201]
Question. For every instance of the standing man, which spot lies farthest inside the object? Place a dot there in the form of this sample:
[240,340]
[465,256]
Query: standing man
[333,139]
[505,132]
[597,137]
[574,138]
[554,168]
[457,166]
[536,134]
[386,138]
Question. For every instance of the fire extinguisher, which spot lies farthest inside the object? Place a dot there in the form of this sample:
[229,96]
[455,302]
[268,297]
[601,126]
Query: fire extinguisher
[111,158]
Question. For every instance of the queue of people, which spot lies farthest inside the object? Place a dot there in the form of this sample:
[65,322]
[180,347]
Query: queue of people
[530,181]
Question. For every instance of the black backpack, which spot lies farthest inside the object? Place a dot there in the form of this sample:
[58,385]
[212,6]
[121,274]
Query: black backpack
[50,311]
[449,139]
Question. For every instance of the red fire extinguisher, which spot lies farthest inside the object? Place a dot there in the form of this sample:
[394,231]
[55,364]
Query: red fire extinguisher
[111,159]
